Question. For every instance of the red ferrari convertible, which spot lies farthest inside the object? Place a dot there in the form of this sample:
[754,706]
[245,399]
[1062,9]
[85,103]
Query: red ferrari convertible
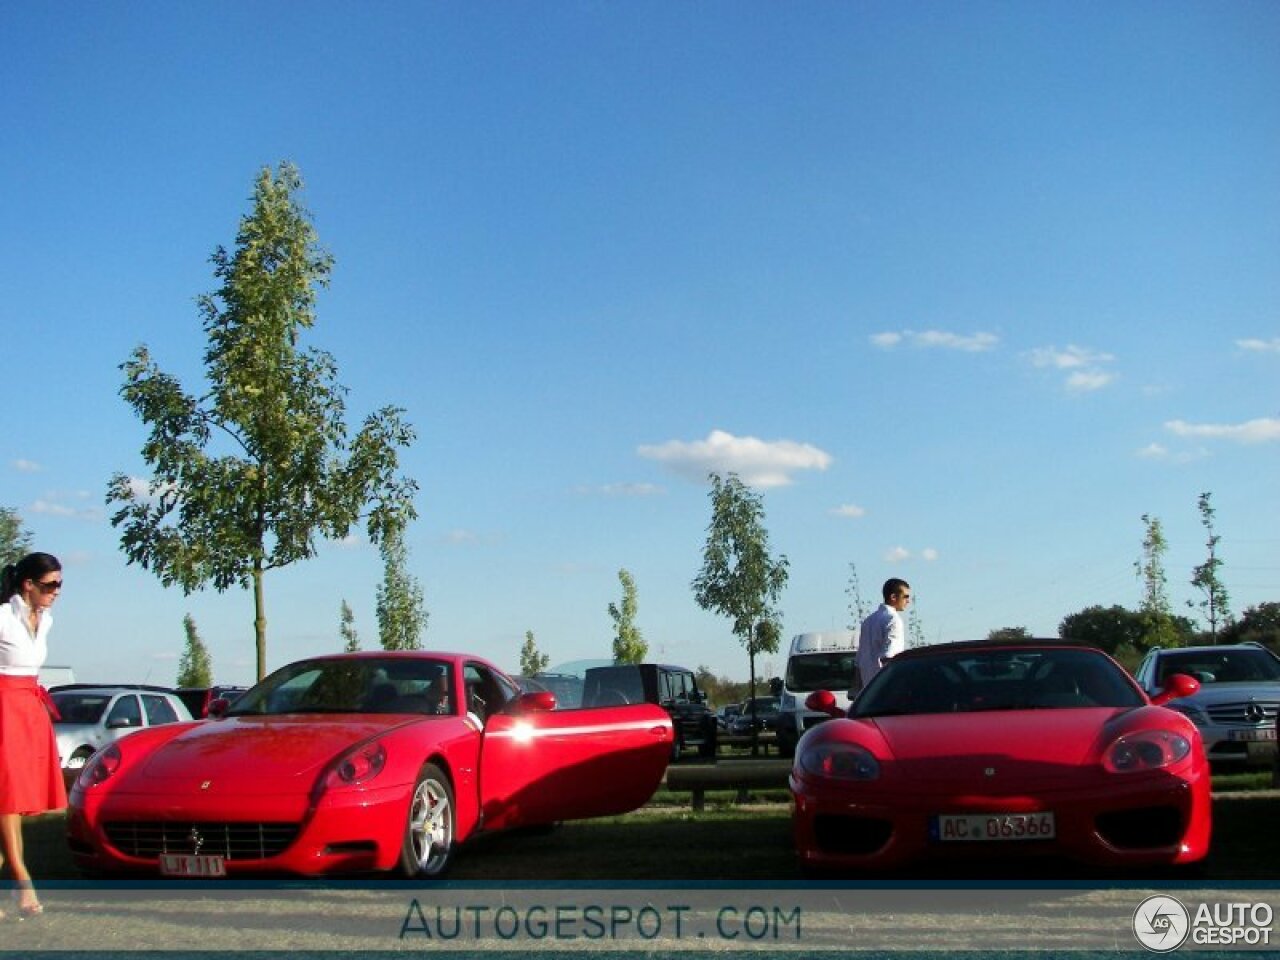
[359,762]
[995,749]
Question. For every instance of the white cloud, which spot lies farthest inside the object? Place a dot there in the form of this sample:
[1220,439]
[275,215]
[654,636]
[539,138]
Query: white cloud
[1153,451]
[886,341]
[1084,367]
[1081,380]
[27,466]
[460,536]
[850,510]
[53,506]
[1260,430]
[757,462]
[937,339]
[1255,345]
[897,555]
[928,553]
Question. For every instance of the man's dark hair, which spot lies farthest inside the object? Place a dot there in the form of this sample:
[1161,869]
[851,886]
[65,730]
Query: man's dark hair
[893,585]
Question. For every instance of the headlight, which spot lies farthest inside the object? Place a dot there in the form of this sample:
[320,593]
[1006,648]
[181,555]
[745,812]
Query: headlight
[101,766]
[840,761]
[357,766]
[1148,750]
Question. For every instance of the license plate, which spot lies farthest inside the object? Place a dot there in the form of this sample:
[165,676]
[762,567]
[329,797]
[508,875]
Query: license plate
[1268,734]
[988,827]
[187,865]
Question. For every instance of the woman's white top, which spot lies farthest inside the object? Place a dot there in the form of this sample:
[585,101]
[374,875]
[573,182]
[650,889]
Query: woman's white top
[22,653]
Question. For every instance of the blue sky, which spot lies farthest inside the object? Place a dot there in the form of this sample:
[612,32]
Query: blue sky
[963,290]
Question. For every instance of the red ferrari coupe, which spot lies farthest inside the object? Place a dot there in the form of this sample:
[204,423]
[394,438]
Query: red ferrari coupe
[994,749]
[359,762]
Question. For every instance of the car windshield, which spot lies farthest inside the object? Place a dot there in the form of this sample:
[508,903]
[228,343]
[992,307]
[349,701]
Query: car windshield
[958,681]
[612,686]
[821,671]
[80,707]
[355,685]
[1220,666]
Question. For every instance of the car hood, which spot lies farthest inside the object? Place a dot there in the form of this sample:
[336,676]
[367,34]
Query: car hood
[252,755]
[1211,693]
[981,750]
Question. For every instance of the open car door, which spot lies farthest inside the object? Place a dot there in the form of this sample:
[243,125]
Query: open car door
[539,766]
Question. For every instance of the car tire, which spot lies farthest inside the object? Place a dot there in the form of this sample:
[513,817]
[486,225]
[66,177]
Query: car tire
[428,846]
[79,758]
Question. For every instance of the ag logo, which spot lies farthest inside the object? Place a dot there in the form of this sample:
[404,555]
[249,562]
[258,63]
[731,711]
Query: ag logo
[1161,924]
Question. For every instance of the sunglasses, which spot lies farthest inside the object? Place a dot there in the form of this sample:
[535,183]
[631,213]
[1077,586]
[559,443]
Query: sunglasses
[48,586]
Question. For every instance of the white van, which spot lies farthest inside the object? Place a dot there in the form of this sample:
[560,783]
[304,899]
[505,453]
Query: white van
[824,660]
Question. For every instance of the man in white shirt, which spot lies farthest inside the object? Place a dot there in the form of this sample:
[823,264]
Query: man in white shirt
[883,633]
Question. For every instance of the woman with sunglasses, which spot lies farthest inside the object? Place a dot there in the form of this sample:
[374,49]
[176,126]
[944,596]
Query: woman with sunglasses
[30,776]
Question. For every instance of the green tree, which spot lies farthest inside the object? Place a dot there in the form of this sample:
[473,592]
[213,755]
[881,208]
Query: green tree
[1158,622]
[1259,624]
[858,609]
[1107,628]
[739,579]
[628,643]
[195,669]
[1009,634]
[15,542]
[248,475]
[1215,603]
[402,618]
[347,629]
[532,662]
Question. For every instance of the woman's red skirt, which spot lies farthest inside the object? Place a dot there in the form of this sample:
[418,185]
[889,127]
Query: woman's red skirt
[30,775]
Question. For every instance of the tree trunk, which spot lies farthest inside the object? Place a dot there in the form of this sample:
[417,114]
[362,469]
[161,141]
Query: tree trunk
[259,619]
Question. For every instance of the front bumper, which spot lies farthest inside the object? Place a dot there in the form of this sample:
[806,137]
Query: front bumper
[346,831]
[1149,820]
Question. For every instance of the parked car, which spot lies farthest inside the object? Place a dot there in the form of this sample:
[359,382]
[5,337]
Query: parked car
[1238,702]
[725,715]
[198,699]
[673,688]
[765,717]
[359,762]
[566,686]
[91,717]
[979,750]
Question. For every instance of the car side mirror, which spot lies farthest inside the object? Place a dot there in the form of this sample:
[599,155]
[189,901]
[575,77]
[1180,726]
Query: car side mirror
[824,701]
[218,708]
[1178,685]
[120,724]
[540,701]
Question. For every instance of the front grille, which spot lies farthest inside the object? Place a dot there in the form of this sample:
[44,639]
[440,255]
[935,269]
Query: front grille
[147,839]
[851,835]
[1238,712]
[1141,828]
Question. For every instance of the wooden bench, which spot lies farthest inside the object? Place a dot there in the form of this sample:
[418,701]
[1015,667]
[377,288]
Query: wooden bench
[739,775]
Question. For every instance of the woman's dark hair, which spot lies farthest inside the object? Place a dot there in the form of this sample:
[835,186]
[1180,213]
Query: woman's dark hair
[31,567]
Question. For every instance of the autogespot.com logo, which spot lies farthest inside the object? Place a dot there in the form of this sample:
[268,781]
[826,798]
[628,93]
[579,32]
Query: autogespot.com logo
[1161,924]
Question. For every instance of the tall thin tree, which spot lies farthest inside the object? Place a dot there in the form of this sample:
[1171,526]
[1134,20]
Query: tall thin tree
[1215,602]
[1154,607]
[628,642]
[402,618]
[195,669]
[739,578]
[532,661]
[347,629]
[249,474]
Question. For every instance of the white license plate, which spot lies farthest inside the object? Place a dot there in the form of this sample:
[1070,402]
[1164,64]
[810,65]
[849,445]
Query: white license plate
[1268,734]
[186,865]
[989,827]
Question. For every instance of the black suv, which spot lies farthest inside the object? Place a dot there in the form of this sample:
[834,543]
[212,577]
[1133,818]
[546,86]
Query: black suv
[673,688]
